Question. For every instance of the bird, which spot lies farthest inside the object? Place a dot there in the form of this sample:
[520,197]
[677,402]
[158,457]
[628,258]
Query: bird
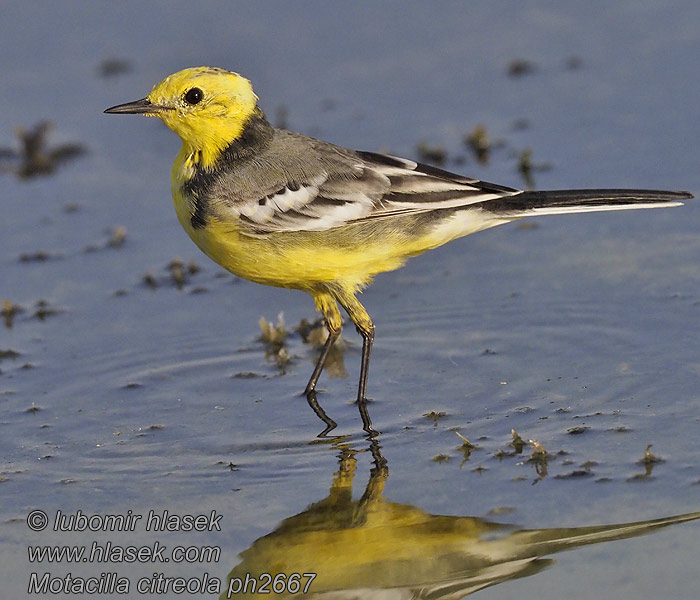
[283,209]
[402,551]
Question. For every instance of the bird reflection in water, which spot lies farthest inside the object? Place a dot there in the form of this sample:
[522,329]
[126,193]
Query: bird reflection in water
[374,548]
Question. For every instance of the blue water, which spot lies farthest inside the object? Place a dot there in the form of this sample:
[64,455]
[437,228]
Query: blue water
[134,397]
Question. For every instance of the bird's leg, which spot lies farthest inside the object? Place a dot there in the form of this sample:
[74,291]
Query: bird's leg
[320,413]
[310,390]
[329,308]
[365,328]
[332,337]
[367,339]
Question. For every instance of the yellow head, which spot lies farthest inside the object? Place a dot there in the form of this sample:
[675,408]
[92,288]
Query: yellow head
[207,107]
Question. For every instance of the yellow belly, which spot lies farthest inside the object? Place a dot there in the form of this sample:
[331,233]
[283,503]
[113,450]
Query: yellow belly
[349,255]
[302,260]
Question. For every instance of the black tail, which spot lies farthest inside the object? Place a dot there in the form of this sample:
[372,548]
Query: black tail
[569,201]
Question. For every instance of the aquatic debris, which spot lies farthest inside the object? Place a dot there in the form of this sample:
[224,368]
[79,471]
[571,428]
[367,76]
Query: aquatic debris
[117,237]
[465,448]
[642,476]
[247,375]
[441,458]
[576,474]
[539,458]
[479,143]
[538,451]
[35,158]
[179,274]
[44,309]
[317,337]
[273,335]
[111,67]
[9,354]
[649,458]
[312,332]
[150,280]
[8,311]
[38,256]
[435,416]
[517,442]
[280,357]
[520,66]
[315,333]
[620,429]
[465,442]
[526,167]
[430,153]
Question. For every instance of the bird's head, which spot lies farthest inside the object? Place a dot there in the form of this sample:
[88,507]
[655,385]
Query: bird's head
[207,107]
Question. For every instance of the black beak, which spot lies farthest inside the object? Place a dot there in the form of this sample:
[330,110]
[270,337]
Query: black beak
[139,107]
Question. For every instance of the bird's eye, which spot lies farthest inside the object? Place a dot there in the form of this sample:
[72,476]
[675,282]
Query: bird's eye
[194,96]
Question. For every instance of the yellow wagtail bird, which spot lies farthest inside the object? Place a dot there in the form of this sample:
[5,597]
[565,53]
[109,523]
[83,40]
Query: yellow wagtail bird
[284,209]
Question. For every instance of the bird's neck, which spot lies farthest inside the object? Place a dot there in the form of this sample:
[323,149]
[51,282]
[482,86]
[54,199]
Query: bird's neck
[222,146]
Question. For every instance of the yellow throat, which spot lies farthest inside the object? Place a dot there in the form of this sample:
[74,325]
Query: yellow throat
[207,107]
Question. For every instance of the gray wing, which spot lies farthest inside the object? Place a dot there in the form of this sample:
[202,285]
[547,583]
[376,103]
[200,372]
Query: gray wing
[316,186]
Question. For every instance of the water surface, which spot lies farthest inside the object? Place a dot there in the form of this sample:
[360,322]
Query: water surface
[128,392]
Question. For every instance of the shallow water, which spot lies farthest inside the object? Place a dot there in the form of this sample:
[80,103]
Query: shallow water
[579,332]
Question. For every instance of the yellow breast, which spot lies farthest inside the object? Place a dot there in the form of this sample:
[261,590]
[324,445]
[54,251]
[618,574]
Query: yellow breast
[349,255]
